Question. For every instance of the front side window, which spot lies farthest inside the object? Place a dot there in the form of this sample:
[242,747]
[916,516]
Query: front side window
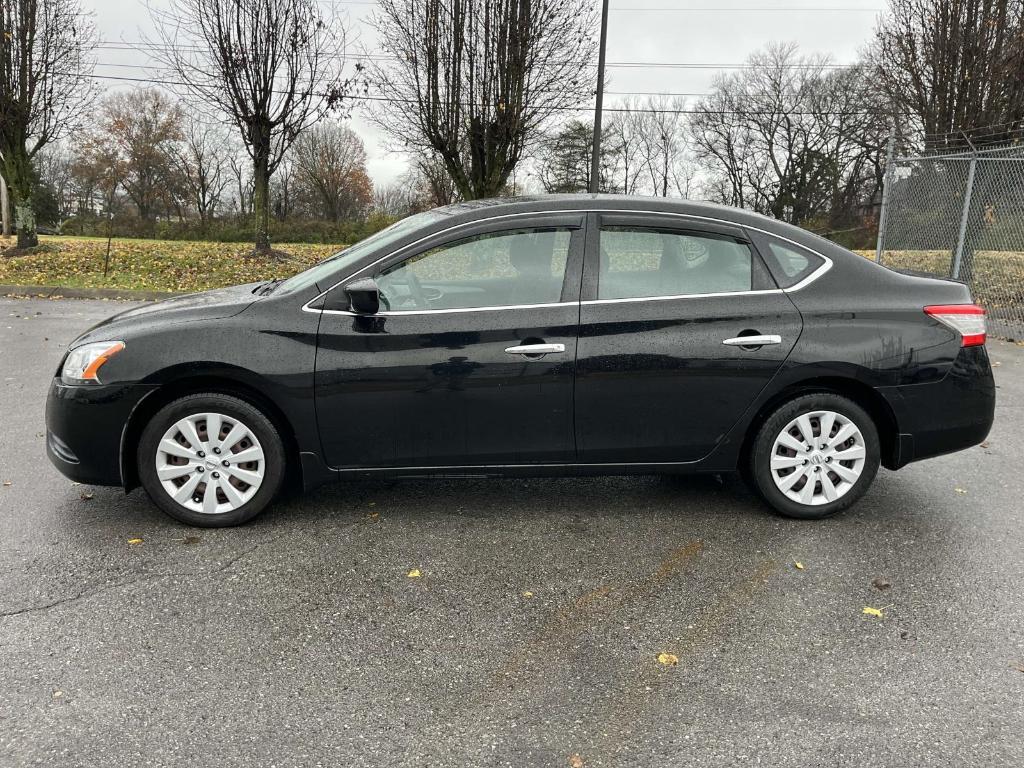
[645,263]
[523,266]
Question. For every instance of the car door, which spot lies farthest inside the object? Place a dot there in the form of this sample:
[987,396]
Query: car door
[471,359]
[662,368]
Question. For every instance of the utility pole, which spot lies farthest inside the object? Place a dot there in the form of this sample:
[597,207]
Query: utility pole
[5,208]
[595,160]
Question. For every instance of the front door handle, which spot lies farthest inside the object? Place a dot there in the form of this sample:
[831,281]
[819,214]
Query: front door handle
[536,349]
[752,341]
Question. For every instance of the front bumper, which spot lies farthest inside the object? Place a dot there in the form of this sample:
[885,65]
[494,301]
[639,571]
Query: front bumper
[945,416]
[84,429]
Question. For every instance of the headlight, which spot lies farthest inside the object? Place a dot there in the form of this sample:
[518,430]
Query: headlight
[83,363]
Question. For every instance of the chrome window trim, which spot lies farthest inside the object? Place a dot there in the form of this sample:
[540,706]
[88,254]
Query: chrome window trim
[763,292]
[821,270]
[402,313]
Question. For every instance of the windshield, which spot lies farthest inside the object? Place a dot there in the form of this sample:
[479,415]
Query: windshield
[352,254]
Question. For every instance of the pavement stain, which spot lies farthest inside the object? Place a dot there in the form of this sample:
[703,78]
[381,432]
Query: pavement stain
[588,610]
[641,693]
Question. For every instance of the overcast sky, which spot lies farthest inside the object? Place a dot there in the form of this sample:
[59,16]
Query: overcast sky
[717,32]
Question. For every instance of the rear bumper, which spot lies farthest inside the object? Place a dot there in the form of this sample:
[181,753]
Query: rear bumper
[84,427]
[945,416]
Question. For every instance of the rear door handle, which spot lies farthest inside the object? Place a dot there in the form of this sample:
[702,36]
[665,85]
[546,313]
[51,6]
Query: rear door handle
[536,349]
[752,341]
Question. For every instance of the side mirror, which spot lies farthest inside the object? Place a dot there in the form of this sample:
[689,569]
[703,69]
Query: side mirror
[364,296]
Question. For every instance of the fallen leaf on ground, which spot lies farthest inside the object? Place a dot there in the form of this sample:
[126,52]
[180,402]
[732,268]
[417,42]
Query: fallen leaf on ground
[133,542]
[985,444]
[371,516]
[873,611]
[414,573]
[527,593]
[58,694]
[87,496]
[880,584]
[668,659]
[798,565]
[575,761]
[191,540]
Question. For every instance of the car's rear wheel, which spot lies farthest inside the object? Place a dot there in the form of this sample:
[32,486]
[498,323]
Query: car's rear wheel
[211,460]
[815,455]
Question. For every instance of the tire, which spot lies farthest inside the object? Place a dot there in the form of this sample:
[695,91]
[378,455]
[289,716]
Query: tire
[840,473]
[242,488]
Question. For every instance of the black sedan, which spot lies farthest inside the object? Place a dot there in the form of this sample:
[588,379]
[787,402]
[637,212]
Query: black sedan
[543,336]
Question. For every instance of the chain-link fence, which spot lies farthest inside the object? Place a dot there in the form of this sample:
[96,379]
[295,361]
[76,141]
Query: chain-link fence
[961,216]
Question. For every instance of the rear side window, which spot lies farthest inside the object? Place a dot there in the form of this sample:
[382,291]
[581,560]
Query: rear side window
[646,263]
[788,263]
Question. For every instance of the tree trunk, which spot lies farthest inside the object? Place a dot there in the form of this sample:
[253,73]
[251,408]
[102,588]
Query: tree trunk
[25,221]
[5,208]
[18,170]
[261,202]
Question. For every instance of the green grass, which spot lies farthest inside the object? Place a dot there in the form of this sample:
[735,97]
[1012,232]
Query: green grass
[151,265]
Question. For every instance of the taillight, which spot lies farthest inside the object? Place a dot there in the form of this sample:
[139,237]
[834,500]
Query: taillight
[966,319]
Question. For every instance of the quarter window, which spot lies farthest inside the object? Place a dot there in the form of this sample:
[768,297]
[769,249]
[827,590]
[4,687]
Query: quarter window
[788,263]
[639,263]
[524,266]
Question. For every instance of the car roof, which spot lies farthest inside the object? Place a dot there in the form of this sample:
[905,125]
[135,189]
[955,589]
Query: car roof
[472,210]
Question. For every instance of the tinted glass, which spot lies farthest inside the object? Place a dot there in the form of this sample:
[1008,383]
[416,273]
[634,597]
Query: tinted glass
[639,263]
[351,255]
[788,263]
[525,266]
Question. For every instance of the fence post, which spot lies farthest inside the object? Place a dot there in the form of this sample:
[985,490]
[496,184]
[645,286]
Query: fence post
[962,237]
[883,213]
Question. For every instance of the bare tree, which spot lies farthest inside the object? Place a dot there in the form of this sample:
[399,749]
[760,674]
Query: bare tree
[330,161]
[273,67]
[789,137]
[45,84]
[953,65]
[241,174]
[429,175]
[54,167]
[658,126]
[395,200]
[623,137]
[202,162]
[473,81]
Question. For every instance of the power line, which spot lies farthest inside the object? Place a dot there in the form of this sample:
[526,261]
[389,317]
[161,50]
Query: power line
[610,93]
[618,64]
[691,9]
[393,100]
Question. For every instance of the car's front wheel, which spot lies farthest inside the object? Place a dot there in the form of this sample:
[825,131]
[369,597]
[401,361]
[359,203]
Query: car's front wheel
[815,455]
[211,460]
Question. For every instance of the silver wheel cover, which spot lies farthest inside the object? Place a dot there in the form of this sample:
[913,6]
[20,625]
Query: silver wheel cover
[818,457]
[210,463]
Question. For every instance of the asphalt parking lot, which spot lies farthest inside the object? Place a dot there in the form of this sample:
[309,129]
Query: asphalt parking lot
[531,636]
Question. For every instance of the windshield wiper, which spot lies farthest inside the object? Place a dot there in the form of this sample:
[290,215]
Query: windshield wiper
[264,288]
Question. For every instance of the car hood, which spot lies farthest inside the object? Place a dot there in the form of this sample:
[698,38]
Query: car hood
[209,305]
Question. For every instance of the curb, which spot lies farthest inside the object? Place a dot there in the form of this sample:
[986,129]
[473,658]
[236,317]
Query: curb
[59,292]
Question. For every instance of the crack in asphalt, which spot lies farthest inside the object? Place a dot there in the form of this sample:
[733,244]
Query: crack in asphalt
[231,561]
